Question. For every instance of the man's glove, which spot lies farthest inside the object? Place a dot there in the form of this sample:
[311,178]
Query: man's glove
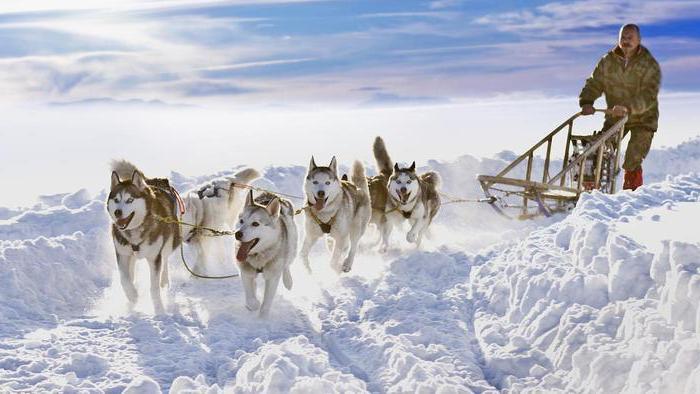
[587,109]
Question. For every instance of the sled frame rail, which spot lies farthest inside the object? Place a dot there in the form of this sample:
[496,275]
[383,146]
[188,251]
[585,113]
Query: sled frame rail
[552,194]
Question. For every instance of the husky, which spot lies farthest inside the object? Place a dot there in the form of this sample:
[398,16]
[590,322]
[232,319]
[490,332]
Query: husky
[132,204]
[267,244]
[401,194]
[338,208]
[214,205]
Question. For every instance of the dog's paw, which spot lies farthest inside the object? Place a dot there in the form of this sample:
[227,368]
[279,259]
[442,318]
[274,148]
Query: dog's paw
[252,305]
[411,237]
[347,266]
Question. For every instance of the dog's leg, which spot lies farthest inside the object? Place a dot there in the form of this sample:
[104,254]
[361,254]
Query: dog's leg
[248,280]
[156,267]
[342,241]
[416,232]
[126,265]
[385,229]
[313,233]
[164,274]
[272,281]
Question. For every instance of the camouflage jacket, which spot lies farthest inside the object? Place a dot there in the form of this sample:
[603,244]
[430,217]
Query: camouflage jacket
[634,84]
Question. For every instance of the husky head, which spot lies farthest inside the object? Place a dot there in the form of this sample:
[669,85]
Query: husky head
[126,203]
[403,183]
[258,227]
[322,184]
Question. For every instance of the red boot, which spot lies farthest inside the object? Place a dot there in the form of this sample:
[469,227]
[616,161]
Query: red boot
[633,179]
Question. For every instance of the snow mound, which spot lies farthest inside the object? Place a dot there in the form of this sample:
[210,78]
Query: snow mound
[582,306]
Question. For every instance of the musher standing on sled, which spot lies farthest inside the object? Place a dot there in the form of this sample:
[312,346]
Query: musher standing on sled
[630,77]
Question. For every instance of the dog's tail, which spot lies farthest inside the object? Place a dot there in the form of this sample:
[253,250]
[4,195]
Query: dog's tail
[431,178]
[381,155]
[359,179]
[125,169]
[246,176]
[287,278]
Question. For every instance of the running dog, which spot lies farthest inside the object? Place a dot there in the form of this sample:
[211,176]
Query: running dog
[338,208]
[133,204]
[401,194]
[214,205]
[267,244]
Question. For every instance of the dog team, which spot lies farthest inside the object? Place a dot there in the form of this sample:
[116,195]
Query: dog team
[266,234]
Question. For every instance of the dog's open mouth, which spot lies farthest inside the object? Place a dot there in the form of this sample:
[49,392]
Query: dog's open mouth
[244,249]
[404,197]
[124,222]
[320,203]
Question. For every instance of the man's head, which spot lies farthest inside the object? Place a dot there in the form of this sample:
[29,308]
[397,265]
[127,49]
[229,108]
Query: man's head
[629,39]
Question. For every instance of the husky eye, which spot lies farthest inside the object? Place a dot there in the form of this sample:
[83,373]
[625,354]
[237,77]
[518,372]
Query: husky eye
[255,224]
[398,181]
[408,182]
[116,200]
[315,182]
[328,182]
[130,200]
[240,221]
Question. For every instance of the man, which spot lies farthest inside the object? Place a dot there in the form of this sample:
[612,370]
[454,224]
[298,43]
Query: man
[630,78]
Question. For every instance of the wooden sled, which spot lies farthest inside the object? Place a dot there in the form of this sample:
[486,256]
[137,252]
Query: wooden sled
[590,162]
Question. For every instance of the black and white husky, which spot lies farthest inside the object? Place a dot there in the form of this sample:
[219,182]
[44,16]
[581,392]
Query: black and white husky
[338,208]
[267,244]
[134,202]
[401,194]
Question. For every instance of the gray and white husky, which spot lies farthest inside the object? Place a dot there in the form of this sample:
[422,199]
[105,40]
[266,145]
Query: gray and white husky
[214,205]
[133,202]
[338,208]
[401,194]
[267,244]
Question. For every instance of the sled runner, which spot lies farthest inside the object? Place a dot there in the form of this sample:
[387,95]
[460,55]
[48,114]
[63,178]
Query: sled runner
[590,162]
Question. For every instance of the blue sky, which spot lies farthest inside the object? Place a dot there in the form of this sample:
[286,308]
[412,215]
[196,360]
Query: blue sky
[358,53]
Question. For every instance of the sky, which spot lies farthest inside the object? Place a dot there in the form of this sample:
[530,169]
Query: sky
[351,52]
[201,86]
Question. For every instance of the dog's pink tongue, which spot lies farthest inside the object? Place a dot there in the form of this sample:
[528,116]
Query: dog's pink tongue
[243,250]
[319,204]
[122,222]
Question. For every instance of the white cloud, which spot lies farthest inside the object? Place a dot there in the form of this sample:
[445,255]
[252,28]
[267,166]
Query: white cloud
[558,16]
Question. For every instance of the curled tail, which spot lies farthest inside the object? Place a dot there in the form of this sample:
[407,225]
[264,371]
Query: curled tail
[245,175]
[384,163]
[287,278]
[359,179]
[431,178]
[124,168]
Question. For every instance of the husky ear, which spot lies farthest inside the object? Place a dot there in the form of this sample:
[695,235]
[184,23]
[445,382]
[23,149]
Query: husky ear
[249,200]
[334,166]
[312,164]
[138,180]
[396,167]
[412,168]
[273,208]
[115,179]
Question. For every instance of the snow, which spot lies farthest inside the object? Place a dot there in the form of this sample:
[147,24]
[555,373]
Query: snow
[604,299]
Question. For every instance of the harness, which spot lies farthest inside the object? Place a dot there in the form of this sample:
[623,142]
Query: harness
[326,226]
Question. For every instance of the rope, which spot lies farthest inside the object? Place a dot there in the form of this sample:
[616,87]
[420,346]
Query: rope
[246,186]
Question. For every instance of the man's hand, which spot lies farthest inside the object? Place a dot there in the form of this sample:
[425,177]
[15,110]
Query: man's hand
[587,110]
[619,111]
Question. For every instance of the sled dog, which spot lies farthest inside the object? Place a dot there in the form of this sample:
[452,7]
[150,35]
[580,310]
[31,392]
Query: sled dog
[267,244]
[401,194]
[132,204]
[338,208]
[214,205]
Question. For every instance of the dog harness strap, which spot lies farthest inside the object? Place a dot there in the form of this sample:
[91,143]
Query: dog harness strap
[325,227]
[406,214]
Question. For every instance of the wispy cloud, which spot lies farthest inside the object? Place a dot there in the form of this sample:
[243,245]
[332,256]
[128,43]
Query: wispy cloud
[559,16]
